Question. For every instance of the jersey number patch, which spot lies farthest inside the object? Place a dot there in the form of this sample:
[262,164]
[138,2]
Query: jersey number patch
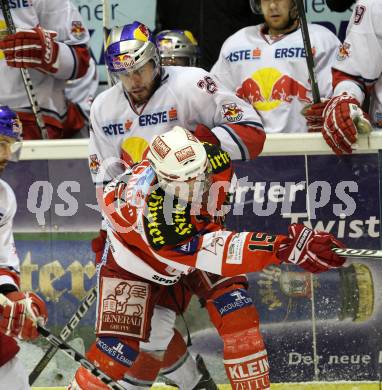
[261,242]
[208,84]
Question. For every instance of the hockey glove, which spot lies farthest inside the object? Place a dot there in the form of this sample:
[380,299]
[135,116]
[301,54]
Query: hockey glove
[34,48]
[310,250]
[20,316]
[204,134]
[98,245]
[343,119]
[313,114]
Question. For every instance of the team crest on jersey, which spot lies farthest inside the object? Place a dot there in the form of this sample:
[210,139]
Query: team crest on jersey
[78,30]
[94,164]
[123,307]
[232,112]
[343,51]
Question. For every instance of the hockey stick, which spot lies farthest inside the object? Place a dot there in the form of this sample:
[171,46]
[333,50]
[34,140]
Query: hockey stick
[24,73]
[308,51]
[106,31]
[71,352]
[64,334]
[359,253]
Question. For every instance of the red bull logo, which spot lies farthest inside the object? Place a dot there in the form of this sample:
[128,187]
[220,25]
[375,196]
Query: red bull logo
[343,51]
[268,88]
[141,33]
[78,30]
[232,112]
[122,61]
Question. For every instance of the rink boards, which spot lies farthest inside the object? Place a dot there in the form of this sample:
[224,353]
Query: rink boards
[55,224]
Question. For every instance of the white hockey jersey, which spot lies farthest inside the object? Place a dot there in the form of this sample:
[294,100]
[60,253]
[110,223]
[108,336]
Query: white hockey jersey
[360,56]
[9,261]
[272,75]
[186,97]
[57,15]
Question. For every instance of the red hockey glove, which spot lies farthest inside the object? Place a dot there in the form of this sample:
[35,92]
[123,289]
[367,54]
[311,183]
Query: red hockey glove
[313,114]
[98,245]
[35,48]
[204,134]
[21,314]
[343,119]
[310,250]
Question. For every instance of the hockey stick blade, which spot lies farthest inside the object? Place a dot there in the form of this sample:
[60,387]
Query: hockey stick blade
[358,253]
[71,352]
[64,334]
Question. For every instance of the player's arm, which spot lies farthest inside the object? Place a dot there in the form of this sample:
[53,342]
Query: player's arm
[229,253]
[234,124]
[357,68]
[57,45]
[19,317]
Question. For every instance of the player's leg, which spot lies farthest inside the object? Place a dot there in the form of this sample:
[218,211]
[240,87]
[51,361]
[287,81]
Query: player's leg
[179,367]
[14,375]
[233,314]
[125,308]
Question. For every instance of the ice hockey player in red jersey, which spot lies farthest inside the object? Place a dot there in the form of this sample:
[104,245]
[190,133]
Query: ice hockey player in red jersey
[19,318]
[165,220]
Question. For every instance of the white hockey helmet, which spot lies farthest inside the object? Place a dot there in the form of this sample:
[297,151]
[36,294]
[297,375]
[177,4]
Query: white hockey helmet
[173,44]
[177,156]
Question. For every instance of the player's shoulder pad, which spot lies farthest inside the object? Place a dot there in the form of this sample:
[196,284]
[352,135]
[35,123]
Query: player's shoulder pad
[106,96]
[218,158]
[181,74]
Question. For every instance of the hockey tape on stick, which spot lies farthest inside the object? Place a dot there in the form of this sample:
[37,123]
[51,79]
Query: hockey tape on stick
[71,352]
[24,73]
[359,253]
[64,334]
[308,51]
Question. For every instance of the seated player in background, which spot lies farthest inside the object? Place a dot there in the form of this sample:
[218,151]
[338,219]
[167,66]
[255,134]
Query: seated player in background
[19,318]
[177,47]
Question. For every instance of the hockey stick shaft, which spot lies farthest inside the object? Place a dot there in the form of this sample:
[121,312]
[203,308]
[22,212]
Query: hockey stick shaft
[308,51]
[359,253]
[25,74]
[71,352]
[64,334]
[106,31]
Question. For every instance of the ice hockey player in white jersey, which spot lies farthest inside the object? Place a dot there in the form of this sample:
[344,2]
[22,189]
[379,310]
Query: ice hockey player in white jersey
[18,319]
[59,38]
[356,74]
[266,65]
[149,100]
[177,47]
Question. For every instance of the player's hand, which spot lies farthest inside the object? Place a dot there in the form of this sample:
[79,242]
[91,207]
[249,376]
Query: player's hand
[21,315]
[204,134]
[343,120]
[98,245]
[310,250]
[34,48]
[313,114]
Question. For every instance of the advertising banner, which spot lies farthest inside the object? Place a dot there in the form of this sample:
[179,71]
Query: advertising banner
[321,327]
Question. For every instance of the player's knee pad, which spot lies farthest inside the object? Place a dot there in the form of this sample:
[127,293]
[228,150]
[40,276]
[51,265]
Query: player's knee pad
[113,355]
[176,353]
[231,310]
